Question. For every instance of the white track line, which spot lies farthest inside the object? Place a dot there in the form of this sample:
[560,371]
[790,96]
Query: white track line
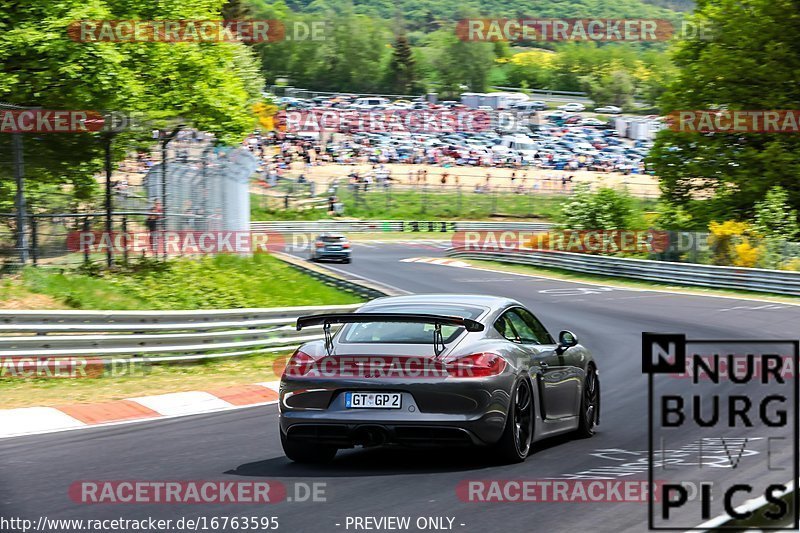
[610,283]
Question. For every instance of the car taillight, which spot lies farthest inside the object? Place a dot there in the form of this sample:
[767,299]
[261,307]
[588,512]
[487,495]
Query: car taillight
[300,364]
[477,365]
[319,244]
[346,245]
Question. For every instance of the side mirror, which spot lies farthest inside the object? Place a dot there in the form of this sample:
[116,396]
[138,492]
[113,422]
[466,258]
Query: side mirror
[566,339]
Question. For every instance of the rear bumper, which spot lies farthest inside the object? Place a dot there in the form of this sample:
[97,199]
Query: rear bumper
[343,254]
[349,435]
[445,412]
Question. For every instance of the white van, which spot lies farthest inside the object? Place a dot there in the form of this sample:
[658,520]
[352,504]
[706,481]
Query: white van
[373,102]
[521,144]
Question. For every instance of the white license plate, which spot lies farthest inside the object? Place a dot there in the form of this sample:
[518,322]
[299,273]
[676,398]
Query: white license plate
[372,400]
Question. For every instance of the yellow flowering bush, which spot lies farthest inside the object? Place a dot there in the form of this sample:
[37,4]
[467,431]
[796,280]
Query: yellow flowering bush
[731,244]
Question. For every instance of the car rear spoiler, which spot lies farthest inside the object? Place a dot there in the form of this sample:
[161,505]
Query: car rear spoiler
[414,318]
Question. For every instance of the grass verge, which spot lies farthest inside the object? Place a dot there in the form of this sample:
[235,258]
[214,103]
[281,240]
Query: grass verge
[220,282]
[154,379]
[419,205]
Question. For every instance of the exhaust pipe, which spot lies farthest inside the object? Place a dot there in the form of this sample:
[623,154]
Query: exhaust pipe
[370,436]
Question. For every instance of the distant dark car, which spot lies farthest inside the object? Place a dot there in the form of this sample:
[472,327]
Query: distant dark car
[332,247]
[435,370]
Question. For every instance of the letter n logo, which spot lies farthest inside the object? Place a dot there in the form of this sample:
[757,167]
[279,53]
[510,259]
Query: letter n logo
[663,353]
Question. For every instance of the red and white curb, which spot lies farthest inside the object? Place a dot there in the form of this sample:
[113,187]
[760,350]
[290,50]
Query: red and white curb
[35,420]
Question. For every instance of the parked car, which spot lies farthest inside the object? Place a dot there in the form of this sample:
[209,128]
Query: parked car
[370,103]
[609,110]
[572,107]
[529,107]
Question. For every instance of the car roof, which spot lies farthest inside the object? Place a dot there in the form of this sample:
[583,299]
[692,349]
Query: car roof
[483,300]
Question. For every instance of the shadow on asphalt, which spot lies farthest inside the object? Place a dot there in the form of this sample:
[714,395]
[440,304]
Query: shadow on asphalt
[386,461]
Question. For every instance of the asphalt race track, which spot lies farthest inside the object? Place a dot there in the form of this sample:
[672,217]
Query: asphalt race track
[36,471]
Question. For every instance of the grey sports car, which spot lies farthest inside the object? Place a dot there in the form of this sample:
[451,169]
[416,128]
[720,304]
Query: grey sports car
[436,369]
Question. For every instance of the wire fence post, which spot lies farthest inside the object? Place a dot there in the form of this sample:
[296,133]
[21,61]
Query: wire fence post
[19,199]
[34,241]
[109,206]
[125,239]
[86,229]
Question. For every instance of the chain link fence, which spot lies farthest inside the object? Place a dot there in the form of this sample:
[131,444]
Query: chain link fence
[198,186]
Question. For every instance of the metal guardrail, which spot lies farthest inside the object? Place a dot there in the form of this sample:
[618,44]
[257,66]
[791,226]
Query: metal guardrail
[162,337]
[154,336]
[358,286]
[722,277]
[380,226]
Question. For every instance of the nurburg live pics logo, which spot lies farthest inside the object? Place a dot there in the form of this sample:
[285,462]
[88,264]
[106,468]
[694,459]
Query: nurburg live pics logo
[740,393]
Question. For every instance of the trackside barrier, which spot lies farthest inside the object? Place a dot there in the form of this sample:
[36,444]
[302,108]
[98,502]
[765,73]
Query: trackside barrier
[155,336]
[379,226]
[361,287]
[723,277]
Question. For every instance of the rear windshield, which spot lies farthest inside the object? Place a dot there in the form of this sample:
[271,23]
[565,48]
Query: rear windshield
[400,333]
[332,239]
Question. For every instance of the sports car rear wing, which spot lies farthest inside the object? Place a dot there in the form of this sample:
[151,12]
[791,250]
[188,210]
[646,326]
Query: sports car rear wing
[414,318]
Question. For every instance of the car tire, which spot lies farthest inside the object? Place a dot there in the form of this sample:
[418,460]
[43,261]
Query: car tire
[515,443]
[348,260]
[589,415]
[307,452]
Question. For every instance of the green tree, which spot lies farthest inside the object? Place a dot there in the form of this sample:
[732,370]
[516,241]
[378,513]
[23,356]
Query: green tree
[774,217]
[210,86]
[605,209]
[747,57]
[401,72]
[458,63]
[616,87]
